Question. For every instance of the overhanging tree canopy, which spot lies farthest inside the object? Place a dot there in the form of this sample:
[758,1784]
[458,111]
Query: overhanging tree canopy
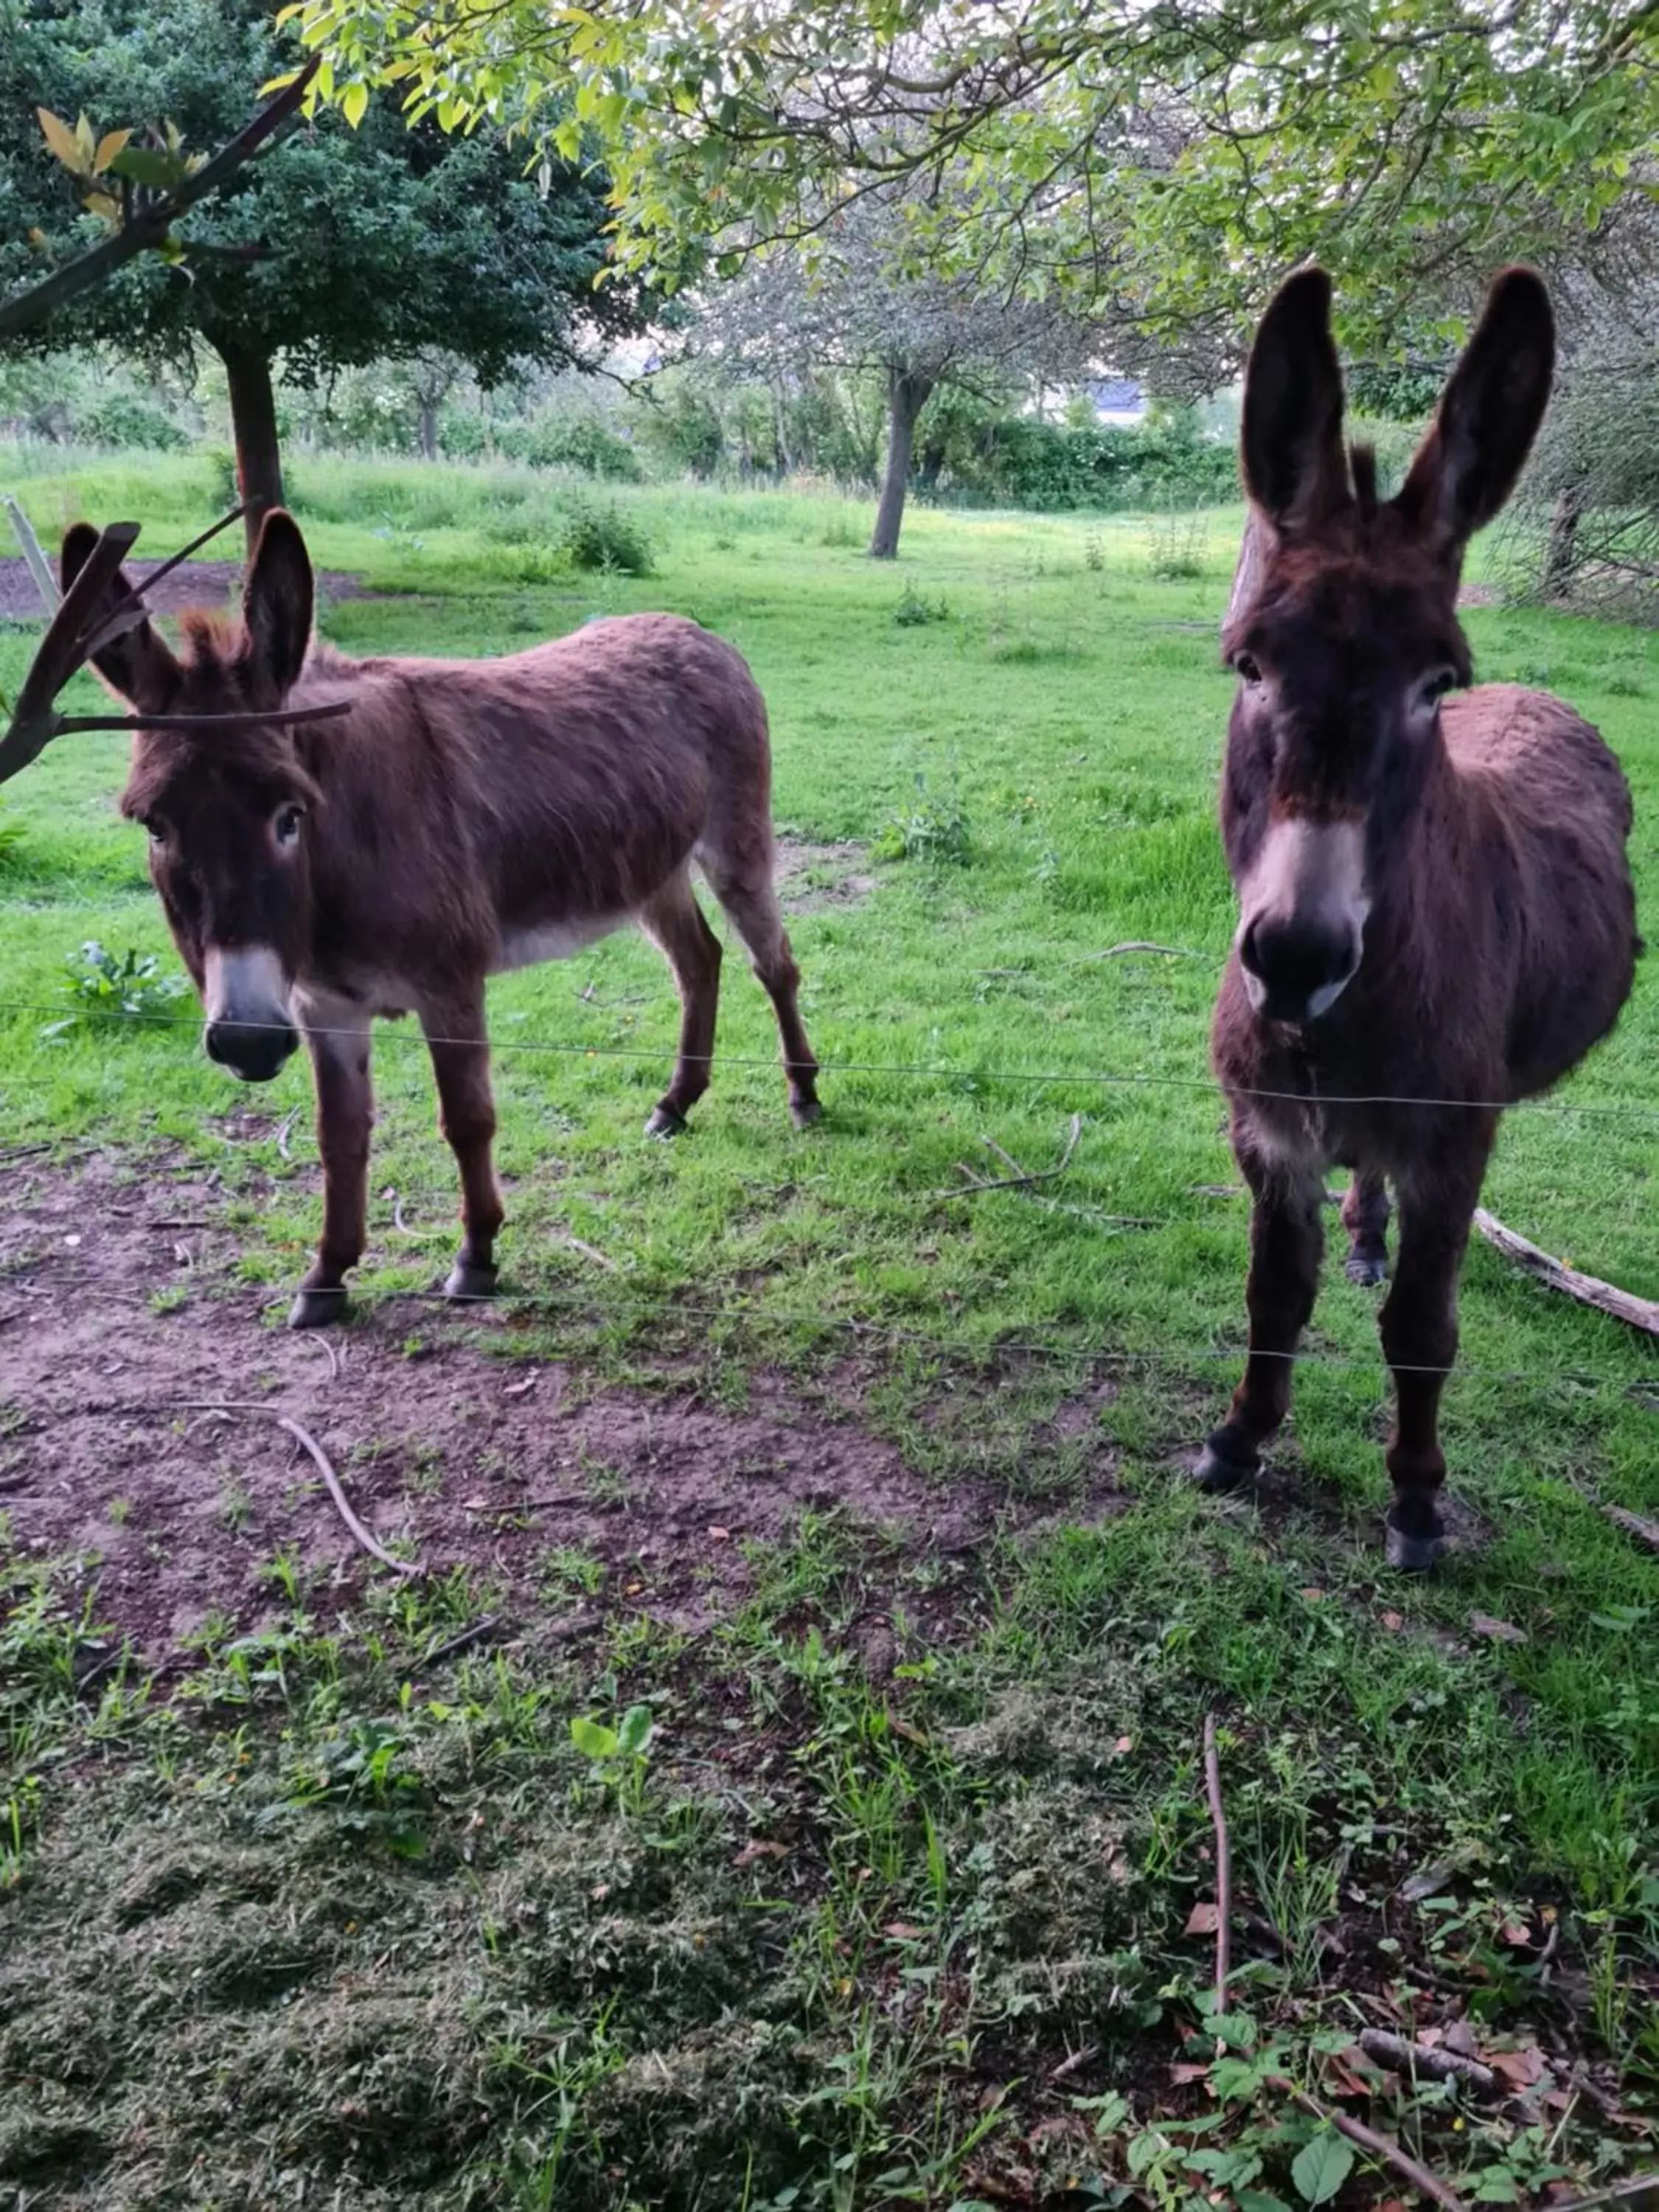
[1173,157]
[345,246]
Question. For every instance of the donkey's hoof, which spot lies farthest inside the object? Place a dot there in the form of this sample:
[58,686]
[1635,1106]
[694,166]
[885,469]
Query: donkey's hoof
[318,1307]
[468,1282]
[1414,1551]
[1217,1474]
[803,1112]
[1368,1269]
[665,1122]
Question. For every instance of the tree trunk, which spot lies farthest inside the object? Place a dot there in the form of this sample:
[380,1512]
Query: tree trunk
[1560,556]
[907,395]
[253,425]
[428,429]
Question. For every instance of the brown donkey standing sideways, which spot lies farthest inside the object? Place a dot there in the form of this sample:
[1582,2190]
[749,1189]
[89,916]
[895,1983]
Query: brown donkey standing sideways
[461,817]
[1434,899]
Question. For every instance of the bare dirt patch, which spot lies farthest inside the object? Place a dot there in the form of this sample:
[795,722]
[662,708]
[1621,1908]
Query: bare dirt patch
[813,877]
[198,584]
[123,1326]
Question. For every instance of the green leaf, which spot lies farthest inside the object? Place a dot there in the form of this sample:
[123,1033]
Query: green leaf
[354,102]
[1322,2166]
[593,1739]
[163,171]
[636,1730]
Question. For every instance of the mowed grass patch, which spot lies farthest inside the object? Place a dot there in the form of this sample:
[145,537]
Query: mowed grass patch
[462,1962]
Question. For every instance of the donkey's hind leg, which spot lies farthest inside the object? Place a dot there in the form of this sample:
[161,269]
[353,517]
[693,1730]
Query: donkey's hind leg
[1365,1218]
[674,922]
[747,895]
[456,1039]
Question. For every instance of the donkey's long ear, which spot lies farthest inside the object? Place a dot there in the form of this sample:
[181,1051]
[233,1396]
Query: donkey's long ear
[138,666]
[1292,443]
[279,600]
[1488,417]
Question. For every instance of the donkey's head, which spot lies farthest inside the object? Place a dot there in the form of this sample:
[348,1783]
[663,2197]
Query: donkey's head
[217,781]
[1347,637]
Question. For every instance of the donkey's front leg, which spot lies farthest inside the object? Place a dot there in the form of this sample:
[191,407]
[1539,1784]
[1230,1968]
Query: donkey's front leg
[1419,1324]
[466,1114]
[1287,1238]
[339,1048]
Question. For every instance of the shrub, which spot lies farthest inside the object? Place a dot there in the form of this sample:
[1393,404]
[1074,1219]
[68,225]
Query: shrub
[603,535]
[914,611]
[1019,462]
[582,442]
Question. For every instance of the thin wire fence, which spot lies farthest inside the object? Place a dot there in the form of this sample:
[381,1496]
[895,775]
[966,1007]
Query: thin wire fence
[738,1312]
[934,1071]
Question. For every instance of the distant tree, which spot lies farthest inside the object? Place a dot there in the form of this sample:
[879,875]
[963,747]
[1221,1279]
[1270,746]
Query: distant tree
[350,245]
[857,304]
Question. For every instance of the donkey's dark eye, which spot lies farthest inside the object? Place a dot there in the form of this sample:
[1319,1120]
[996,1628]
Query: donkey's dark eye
[1246,669]
[285,824]
[1434,687]
[156,829]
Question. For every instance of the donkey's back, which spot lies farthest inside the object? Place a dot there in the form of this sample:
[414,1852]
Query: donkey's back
[1556,809]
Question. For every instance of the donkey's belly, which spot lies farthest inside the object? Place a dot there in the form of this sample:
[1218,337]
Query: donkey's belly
[553,940]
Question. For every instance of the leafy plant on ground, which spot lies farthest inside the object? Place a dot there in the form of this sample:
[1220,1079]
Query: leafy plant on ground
[601,534]
[111,989]
[935,828]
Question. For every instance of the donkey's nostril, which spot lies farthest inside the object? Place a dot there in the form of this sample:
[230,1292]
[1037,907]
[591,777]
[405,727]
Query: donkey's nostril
[254,1050]
[1297,966]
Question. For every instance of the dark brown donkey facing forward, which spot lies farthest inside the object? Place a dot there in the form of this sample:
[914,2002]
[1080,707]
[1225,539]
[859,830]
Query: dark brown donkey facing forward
[458,818]
[1436,914]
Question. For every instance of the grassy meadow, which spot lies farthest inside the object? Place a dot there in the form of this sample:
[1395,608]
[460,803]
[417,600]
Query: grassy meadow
[864,1920]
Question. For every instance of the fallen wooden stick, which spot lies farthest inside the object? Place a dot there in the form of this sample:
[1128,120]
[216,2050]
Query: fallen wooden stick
[1402,2057]
[1634,1524]
[1588,1290]
[1139,945]
[1224,1865]
[463,1640]
[1021,1178]
[1404,2165]
[319,1460]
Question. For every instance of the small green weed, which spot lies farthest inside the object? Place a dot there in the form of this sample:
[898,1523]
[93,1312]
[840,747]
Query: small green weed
[108,989]
[935,829]
[619,1755]
[1177,539]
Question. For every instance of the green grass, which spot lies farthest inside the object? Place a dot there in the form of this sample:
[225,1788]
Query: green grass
[458,1961]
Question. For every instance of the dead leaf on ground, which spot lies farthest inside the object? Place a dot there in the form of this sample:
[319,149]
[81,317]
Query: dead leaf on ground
[1502,1631]
[757,1848]
[1183,2071]
[1204,1920]
[1395,1621]
[1520,2068]
[903,1931]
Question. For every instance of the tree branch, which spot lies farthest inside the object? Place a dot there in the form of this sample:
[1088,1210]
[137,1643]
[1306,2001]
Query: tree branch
[150,226]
